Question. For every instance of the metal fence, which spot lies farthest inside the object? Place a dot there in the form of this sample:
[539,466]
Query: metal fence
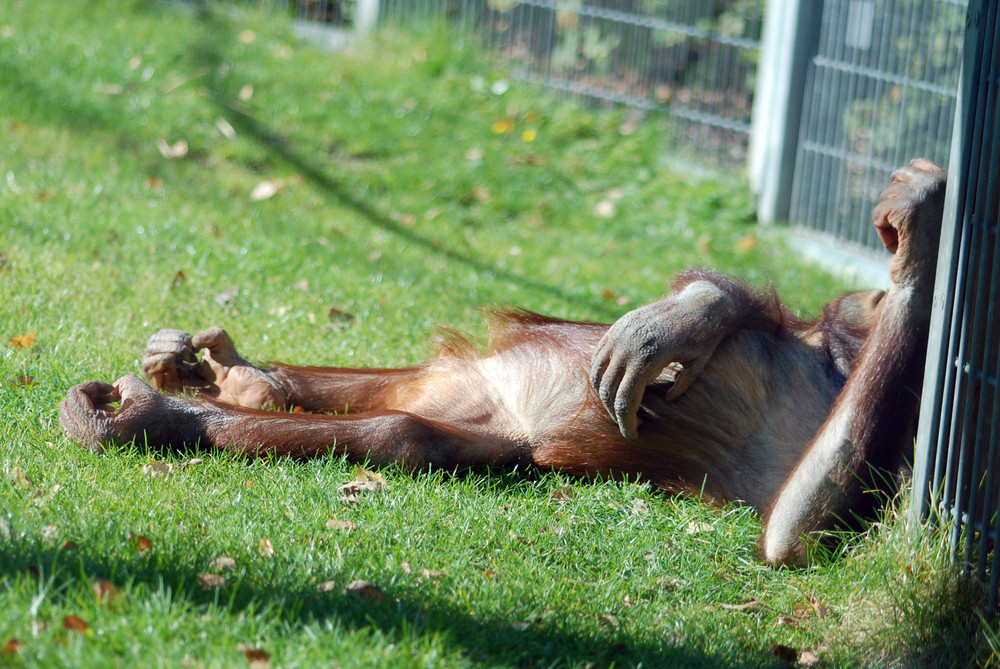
[880,91]
[694,61]
[957,468]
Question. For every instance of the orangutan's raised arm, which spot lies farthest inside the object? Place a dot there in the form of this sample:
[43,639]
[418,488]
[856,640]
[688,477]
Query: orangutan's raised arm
[871,424]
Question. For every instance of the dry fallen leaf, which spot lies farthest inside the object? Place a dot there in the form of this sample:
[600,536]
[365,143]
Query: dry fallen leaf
[224,127]
[12,647]
[211,581]
[340,525]
[222,563]
[819,607]
[609,620]
[180,278]
[807,658]
[154,470]
[23,381]
[19,478]
[340,318]
[605,209]
[365,481]
[430,573]
[481,193]
[365,590]
[23,341]
[746,607]
[258,658]
[227,296]
[178,149]
[105,591]
[639,507]
[265,547]
[142,542]
[327,586]
[265,190]
[75,624]
[747,244]
[564,494]
[696,527]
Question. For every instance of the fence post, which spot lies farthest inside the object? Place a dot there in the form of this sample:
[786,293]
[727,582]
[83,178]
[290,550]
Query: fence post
[366,15]
[791,34]
[957,459]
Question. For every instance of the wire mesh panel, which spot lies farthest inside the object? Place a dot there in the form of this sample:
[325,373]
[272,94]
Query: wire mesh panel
[696,61]
[957,468]
[881,90]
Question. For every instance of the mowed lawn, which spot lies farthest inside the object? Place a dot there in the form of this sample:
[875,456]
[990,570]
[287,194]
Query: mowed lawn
[165,166]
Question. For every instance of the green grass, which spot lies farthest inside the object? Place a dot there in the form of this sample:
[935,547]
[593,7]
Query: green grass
[407,196]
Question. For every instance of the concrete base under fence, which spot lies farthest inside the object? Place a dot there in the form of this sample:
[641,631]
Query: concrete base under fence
[859,267]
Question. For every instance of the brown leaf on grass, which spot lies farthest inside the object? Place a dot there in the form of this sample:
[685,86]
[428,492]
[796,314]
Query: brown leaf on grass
[265,190]
[23,341]
[339,318]
[23,381]
[639,507]
[222,563]
[564,494]
[751,606]
[180,278]
[609,620]
[108,89]
[19,479]
[224,127]
[697,527]
[154,470]
[365,590]
[605,209]
[211,581]
[259,658]
[12,647]
[141,541]
[105,591]
[227,296]
[340,525]
[265,548]
[365,481]
[746,245]
[818,606]
[75,624]
[327,586]
[807,658]
[178,149]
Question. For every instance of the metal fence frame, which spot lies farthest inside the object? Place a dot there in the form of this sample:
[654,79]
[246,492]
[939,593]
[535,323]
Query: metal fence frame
[956,472]
[877,95]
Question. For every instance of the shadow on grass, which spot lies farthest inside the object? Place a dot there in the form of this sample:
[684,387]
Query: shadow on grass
[402,616]
[207,57]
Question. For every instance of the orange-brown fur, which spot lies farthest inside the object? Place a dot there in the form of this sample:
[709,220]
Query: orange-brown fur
[735,399]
